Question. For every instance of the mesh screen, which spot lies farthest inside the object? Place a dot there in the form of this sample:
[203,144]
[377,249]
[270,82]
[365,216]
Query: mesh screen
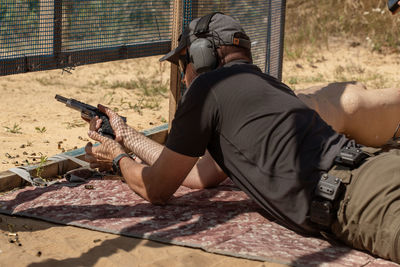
[46,34]
[23,31]
[262,20]
[108,23]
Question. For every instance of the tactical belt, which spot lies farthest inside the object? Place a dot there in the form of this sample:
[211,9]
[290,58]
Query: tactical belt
[331,185]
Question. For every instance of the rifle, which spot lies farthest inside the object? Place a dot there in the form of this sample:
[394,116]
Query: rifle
[88,112]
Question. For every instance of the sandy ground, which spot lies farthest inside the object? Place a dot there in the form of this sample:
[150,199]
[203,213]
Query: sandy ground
[34,125]
[46,244]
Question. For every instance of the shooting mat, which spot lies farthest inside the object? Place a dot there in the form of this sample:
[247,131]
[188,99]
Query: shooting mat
[221,220]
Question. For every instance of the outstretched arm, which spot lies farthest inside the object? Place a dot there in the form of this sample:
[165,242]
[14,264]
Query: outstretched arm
[205,173]
[164,171]
[155,183]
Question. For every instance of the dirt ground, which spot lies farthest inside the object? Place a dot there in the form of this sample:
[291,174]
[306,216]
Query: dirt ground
[34,126]
[46,244]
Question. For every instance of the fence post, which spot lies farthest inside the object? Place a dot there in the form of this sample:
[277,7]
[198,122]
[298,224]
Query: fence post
[275,38]
[175,79]
[57,39]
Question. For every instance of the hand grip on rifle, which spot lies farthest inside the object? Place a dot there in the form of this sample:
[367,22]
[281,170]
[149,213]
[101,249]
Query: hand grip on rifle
[89,112]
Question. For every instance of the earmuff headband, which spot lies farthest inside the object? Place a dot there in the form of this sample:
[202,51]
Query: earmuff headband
[203,23]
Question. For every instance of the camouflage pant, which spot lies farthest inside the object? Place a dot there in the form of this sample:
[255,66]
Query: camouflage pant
[369,214]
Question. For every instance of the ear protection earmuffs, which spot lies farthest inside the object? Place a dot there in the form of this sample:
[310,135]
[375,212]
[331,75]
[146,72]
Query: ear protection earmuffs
[202,52]
[203,55]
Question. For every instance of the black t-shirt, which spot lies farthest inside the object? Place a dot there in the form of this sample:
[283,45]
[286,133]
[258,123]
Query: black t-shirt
[265,139]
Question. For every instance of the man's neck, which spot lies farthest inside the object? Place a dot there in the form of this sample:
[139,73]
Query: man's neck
[234,57]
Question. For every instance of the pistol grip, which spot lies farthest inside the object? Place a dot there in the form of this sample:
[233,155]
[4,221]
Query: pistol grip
[105,128]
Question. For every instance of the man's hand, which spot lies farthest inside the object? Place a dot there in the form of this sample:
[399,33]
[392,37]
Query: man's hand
[102,155]
[118,125]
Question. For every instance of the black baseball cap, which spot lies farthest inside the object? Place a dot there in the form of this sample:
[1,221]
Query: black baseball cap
[216,27]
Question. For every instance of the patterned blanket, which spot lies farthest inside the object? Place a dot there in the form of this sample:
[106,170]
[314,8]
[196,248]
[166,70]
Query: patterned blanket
[220,220]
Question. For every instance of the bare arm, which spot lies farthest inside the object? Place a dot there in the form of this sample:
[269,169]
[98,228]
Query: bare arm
[155,183]
[143,147]
[206,173]
[164,171]
[158,182]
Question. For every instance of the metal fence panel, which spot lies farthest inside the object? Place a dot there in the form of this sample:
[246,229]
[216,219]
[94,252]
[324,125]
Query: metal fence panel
[47,34]
[263,21]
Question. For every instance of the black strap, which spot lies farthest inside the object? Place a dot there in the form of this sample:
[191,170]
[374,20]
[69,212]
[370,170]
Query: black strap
[202,28]
[202,24]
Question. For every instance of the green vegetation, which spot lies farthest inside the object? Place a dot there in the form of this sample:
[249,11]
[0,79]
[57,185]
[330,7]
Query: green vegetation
[49,81]
[14,129]
[75,124]
[148,86]
[335,31]
[41,130]
[150,91]
[311,24]
[124,84]
[40,168]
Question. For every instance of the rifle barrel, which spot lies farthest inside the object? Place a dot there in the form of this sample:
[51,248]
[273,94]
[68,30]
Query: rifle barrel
[61,98]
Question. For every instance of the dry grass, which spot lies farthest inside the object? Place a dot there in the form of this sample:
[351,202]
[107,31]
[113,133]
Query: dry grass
[341,40]
[310,24]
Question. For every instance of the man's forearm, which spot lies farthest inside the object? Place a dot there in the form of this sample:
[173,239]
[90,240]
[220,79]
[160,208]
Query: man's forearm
[142,146]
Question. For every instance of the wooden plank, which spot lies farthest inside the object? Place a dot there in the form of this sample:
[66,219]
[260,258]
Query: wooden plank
[81,57]
[9,180]
[175,78]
